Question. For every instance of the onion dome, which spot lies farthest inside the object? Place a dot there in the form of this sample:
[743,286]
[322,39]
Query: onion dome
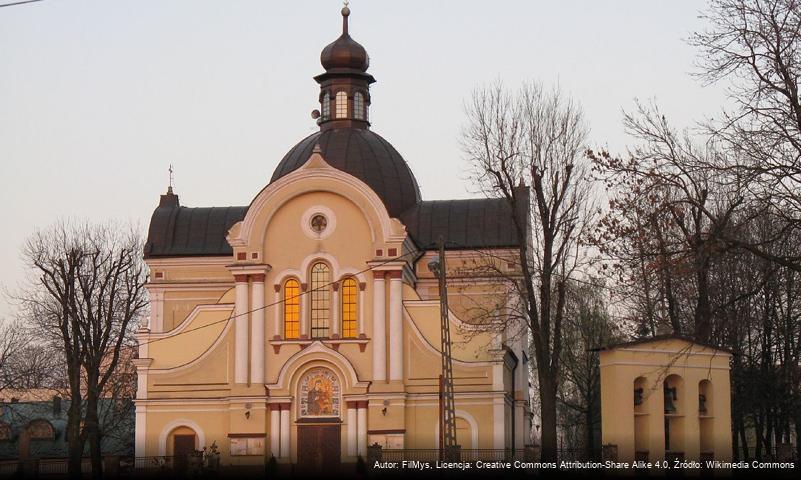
[345,52]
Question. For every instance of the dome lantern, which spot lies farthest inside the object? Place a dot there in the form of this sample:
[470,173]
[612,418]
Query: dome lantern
[345,85]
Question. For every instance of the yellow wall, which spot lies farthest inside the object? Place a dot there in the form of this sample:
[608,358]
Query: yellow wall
[189,366]
[650,365]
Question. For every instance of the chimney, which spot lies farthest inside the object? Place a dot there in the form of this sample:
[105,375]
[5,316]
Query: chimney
[56,405]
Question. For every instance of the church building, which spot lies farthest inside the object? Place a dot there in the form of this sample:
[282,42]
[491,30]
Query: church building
[305,326]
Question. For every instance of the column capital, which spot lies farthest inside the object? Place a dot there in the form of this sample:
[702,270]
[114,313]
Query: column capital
[335,286]
[258,277]
[394,274]
[277,287]
[240,278]
[362,404]
[352,404]
[379,274]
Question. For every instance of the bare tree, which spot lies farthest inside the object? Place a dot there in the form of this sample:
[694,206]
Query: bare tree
[669,211]
[85,294]
[755,45]
[676,223]
[11,346]
[25,363]
[587,327]
[533,136]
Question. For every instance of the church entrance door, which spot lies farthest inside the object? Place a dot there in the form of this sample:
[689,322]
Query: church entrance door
[182,447]
[319,447]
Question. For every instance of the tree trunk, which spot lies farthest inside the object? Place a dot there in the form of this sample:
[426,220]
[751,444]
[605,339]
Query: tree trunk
[548,413]
[74,441]
[589,445]
[667,281]
[96,455]
[703,310]
[797,421]
[92,425]
[743,439]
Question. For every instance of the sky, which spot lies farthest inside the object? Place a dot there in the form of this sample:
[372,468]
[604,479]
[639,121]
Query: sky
[99,97]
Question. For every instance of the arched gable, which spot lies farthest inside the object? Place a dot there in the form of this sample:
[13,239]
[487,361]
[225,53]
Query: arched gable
[315,175]
[314,355]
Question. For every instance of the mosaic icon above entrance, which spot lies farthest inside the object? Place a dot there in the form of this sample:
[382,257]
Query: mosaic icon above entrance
[319,394]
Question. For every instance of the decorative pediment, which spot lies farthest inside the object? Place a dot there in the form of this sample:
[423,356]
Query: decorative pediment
[317,352]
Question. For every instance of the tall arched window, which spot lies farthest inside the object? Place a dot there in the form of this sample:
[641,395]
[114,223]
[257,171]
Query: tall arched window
[641,423]
[349,317]
[291,308]
[320,299]
[326,104]
[675,409]
[358,106]
[342,105]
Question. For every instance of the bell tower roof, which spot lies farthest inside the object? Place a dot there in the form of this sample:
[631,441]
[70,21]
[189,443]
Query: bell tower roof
[345,53]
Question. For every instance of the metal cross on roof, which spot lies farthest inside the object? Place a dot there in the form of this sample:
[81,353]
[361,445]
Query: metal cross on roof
[171,179]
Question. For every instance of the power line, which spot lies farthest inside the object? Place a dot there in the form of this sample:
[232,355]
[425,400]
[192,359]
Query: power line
[232,316]
[505,259]
[18,3]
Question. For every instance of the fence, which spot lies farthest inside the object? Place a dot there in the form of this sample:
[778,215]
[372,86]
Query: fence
[155,464]
[774,453]
[529,454]
[112,466]
[57,467]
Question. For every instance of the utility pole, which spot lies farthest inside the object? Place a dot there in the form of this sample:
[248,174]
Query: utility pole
[447,410]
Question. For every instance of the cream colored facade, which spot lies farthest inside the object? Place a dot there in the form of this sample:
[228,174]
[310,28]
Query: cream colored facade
[214,363]
[666,397]
[306,326]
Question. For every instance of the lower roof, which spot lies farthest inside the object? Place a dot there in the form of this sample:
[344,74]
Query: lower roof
[659,338]
[177,231]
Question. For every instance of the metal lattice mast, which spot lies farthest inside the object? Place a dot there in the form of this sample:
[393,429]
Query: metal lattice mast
[448,426]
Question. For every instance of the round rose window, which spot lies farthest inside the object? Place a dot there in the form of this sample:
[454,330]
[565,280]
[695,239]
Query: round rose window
[318,223]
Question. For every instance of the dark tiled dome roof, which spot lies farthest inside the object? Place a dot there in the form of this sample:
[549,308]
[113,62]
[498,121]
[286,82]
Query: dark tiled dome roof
[365,155]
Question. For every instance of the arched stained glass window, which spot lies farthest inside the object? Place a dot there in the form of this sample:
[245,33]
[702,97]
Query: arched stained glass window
[320,300]
[342,105]
[358,106]
[291,309]
[349,315]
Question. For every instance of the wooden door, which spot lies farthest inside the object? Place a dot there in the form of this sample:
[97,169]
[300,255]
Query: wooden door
[182,446]
[319,447]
